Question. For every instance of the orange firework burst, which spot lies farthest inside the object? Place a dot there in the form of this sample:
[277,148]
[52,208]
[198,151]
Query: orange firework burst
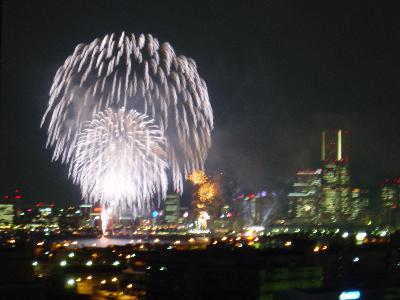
[198,177]
[207,192]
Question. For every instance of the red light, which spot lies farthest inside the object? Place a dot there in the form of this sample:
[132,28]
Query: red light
[18,197]
[40,204]
[17,190]
[5,197]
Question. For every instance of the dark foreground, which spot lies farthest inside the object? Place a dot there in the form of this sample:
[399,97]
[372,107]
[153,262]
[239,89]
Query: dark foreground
[218,269]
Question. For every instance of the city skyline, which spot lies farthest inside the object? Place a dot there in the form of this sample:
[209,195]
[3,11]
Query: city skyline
[267,126]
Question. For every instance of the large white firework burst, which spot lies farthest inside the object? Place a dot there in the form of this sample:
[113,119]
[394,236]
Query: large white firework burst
[135,73]
[120,160]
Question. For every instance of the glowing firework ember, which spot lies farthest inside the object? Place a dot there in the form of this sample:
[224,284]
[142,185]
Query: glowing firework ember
[198,177]
[207,192]
[96,91]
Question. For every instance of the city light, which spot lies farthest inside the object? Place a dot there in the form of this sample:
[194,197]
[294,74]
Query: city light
[360,236]
[383,233]
[35,263]
[350,295]
[89,263]
[63,263]
[70,282]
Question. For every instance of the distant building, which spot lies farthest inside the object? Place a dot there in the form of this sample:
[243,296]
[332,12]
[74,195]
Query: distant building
[172,209]
[359,199]
[390,199]
[7,214]
[335,204]
[390,193]
[306,196]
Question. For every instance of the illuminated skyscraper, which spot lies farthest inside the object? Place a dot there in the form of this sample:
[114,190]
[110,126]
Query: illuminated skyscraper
[359,205]
[390,199]
[335,145]
[304,200]
[335,205]
[390,193]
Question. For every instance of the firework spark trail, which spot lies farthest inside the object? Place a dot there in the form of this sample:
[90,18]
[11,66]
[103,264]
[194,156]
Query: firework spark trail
[135,73]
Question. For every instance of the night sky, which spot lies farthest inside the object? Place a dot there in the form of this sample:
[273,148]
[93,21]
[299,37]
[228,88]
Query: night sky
[278,73]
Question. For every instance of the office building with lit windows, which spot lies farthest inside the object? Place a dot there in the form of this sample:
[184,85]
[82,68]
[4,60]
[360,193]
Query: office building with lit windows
[359,199]
[305,199]
[390,193]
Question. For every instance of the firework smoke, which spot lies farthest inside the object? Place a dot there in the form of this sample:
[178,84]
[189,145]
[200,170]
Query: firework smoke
[129,73]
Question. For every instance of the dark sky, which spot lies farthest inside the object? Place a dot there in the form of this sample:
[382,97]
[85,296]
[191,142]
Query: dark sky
[278,73]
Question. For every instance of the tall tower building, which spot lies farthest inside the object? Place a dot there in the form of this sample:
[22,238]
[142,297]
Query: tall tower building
[305,198]
[335,205]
